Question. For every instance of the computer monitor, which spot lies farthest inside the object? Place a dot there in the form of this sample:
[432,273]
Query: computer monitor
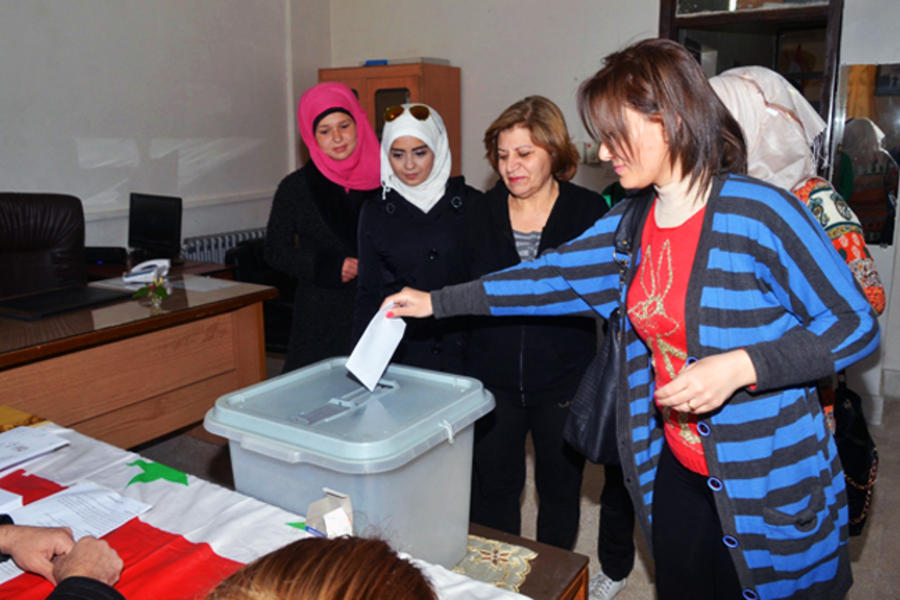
[154,226]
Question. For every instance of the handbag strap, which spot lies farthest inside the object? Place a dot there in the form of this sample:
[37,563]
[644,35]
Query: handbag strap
[631,219]
[626,232]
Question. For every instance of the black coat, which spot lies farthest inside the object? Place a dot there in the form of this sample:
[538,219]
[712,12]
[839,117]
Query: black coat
[311,230]
[399,246]
[534,357]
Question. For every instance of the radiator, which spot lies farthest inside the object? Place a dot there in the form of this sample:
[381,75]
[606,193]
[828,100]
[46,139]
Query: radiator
[212,248]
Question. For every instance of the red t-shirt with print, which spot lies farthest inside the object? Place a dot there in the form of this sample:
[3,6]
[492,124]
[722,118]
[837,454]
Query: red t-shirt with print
[656,308]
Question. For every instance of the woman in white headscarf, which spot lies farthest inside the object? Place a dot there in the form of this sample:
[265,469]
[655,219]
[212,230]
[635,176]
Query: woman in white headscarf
[411,235]
[782,130]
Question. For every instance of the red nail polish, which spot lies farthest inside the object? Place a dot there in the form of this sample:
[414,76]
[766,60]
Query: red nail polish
[390,314]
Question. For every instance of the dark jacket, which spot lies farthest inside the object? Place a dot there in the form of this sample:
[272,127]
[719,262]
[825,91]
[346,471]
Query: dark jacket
[84,588]
[535,356]
[311,230]
[399,246]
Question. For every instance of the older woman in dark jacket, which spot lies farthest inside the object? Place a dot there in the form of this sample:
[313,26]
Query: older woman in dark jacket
[532,365]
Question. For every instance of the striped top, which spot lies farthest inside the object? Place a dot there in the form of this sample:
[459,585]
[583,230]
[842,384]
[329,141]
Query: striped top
[767,279]
[527,244]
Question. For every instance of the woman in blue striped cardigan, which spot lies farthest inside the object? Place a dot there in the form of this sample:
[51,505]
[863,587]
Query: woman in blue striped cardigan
[737,303]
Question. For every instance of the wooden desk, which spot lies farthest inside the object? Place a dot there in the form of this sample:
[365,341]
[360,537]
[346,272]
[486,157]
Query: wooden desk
[124,373]
[555,573]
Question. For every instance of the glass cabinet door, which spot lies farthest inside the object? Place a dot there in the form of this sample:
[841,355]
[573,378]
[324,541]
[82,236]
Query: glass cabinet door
[385,98]
[385,92]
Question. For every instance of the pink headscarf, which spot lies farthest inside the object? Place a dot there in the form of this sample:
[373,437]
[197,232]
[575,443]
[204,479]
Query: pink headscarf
[362,169]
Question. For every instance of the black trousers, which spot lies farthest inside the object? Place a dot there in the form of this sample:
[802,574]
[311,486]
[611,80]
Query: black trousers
[692,563]
[615,542]
[498,471]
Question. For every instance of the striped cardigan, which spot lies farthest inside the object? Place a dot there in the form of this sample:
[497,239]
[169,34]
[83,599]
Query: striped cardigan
[767,279]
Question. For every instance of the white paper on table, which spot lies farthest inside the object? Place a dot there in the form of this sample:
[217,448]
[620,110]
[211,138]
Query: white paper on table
[86,507]
[116,283]
[23,443]
[374,349]
[203,284]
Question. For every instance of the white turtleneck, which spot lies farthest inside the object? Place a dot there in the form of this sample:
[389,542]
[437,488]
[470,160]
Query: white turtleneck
[678,201]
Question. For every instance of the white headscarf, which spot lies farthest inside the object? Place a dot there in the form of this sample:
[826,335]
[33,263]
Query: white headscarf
[431,131]
[779,125]
[862,140]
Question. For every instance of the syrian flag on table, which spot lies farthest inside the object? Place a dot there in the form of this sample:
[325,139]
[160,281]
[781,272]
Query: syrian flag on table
[194,535]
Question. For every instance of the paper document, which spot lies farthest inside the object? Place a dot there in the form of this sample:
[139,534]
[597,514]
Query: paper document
[203,284]
[374,349]
[86,508]
[116,283]
[23,443]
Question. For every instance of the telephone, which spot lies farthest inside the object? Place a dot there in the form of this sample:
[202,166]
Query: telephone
[146,271]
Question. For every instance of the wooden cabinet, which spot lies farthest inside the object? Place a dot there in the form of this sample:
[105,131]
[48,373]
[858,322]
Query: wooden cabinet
[386,85]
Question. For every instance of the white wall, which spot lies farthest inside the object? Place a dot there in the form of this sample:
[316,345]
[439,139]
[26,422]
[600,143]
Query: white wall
[184,98]
[870,37]
[310,50]
[506,50]
[198,98]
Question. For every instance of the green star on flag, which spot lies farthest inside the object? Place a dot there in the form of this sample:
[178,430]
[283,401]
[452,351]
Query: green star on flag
[151,471]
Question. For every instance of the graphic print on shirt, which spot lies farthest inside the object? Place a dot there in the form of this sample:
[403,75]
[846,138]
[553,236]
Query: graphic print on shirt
[658,326]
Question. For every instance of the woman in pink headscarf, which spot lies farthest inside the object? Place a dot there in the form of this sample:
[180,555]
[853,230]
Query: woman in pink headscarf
[311,233]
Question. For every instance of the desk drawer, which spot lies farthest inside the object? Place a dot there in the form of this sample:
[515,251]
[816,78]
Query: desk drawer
[74,387]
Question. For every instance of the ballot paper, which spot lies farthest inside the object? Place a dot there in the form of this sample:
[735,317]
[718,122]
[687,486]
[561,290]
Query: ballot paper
[374,349]
[24,443]
[86,507]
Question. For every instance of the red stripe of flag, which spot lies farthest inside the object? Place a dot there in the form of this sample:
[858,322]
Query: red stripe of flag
[158,564]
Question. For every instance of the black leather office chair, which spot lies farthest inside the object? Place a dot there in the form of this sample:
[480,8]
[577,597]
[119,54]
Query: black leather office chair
[41,242]
[248,264]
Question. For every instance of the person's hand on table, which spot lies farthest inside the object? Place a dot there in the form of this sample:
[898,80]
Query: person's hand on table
[349,269]
[90,557]
[706,384]
[409,303]
[33,548]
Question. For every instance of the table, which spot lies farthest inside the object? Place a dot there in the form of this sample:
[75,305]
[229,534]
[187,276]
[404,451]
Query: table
[126,373]
[555,573]
[195,533]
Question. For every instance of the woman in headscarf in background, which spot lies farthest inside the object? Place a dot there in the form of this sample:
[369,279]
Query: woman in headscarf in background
[874,185]
[411,235]
[312,227]
[781,130]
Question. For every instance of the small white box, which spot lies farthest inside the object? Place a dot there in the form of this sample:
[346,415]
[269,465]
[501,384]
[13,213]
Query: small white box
[403,453]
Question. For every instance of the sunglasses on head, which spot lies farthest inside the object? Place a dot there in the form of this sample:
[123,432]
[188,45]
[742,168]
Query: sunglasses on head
[419,111]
